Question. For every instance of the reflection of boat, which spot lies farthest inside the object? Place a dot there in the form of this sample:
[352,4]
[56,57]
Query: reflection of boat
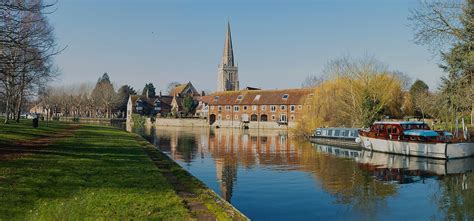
[338,151]
[428,165]
[345,137]
[383,161]
[414,139]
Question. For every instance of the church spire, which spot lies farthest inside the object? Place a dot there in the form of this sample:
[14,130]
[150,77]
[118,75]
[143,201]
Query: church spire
[228,56]
[228,77]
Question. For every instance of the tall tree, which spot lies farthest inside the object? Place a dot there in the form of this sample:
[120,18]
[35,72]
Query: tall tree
[27,47]
[188,104]
[447,28]
[419,92]
[104,96]
[149,90]
[123,94]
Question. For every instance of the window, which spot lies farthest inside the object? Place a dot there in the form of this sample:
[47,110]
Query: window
[292,117]
[219,108]
[282,107]
[245,108]
[227,107]
[236,117]
[283,118]
[257,97]
[236,108]
[273,108]
[273,117]
[263,117]
[285,97]
[264,107]
[227,117]
[253,117]
[216,98]
[254,107]
[292,108]
[300,107]
[240,97]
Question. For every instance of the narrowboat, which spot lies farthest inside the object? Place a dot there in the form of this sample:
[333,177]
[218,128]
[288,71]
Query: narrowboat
[414,139]
[345,137]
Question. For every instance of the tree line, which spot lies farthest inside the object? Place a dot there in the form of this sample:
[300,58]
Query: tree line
[357,92]
[86,100]
[92,101]
[27,47]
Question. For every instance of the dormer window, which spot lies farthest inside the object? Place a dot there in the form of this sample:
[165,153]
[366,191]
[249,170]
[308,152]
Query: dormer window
[240,97]
[285,97]
[216,98]
[257,97]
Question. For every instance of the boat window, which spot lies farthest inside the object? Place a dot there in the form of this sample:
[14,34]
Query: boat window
[329,132]
[336,133]
[345,133]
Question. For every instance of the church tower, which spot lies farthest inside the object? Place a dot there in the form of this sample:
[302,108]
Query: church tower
[228,78]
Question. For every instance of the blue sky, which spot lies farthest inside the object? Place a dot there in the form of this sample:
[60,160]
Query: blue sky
[277,43]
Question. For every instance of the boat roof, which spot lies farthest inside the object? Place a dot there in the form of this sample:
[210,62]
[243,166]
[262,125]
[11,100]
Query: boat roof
[421,133]
[336,128]
[400,122]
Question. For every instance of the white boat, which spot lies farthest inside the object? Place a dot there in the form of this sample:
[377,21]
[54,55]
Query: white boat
[345,137]
[414,139]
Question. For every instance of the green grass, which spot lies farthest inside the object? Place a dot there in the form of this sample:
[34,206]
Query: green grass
[13,132]
[98,173]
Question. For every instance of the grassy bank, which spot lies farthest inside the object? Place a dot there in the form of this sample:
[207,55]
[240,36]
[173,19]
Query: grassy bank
[95,172]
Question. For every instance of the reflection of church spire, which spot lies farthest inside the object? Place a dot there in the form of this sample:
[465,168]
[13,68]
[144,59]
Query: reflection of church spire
[226,175]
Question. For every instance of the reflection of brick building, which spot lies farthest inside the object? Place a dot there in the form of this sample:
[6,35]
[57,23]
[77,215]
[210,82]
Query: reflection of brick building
[257,108]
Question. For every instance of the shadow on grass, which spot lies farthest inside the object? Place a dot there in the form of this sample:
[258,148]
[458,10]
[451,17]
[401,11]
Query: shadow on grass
[99,172]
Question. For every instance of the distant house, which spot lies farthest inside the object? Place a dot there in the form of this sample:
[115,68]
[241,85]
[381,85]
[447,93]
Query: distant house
[162,105]
[256,108]
[156,106]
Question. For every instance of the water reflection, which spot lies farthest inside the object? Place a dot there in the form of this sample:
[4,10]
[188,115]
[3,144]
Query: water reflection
[266,174]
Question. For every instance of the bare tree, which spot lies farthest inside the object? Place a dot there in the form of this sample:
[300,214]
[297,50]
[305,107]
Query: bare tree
[171,86]
[27,46]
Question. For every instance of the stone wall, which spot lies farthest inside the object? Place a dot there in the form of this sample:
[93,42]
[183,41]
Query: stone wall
[254,125]
[181,122]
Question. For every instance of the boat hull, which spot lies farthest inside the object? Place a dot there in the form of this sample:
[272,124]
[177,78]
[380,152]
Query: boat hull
[432,150]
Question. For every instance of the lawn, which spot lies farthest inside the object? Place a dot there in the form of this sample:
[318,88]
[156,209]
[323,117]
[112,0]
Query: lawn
[97,172]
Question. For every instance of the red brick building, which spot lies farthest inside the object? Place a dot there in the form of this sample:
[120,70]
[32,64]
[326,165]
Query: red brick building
[256,108]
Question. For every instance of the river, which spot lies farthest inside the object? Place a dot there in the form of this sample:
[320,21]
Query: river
[270,176]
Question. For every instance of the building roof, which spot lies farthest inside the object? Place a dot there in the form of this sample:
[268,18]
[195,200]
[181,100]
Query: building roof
[260,97]
[151,101]
[183,89]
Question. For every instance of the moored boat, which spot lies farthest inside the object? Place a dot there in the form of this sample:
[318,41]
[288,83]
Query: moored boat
[414,139]
[346,137]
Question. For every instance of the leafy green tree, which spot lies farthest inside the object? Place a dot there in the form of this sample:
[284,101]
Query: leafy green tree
[447,27]
[149,90]
[104,96]
[418,87]
[188,105]
[123,94]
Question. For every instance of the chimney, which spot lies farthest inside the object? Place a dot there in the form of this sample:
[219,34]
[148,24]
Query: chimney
[160,93]
[203,93]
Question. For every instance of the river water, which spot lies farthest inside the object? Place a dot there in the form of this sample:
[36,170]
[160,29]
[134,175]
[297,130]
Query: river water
[270,176]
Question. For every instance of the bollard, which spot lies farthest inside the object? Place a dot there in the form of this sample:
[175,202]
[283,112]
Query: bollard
[35,122]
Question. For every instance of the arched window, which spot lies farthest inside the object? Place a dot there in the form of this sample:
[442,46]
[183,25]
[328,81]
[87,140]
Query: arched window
[263,117]
[253,117]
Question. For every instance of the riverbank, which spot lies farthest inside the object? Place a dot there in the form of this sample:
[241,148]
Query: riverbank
[70,171]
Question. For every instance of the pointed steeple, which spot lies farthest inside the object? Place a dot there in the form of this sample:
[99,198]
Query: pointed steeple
[228,56]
